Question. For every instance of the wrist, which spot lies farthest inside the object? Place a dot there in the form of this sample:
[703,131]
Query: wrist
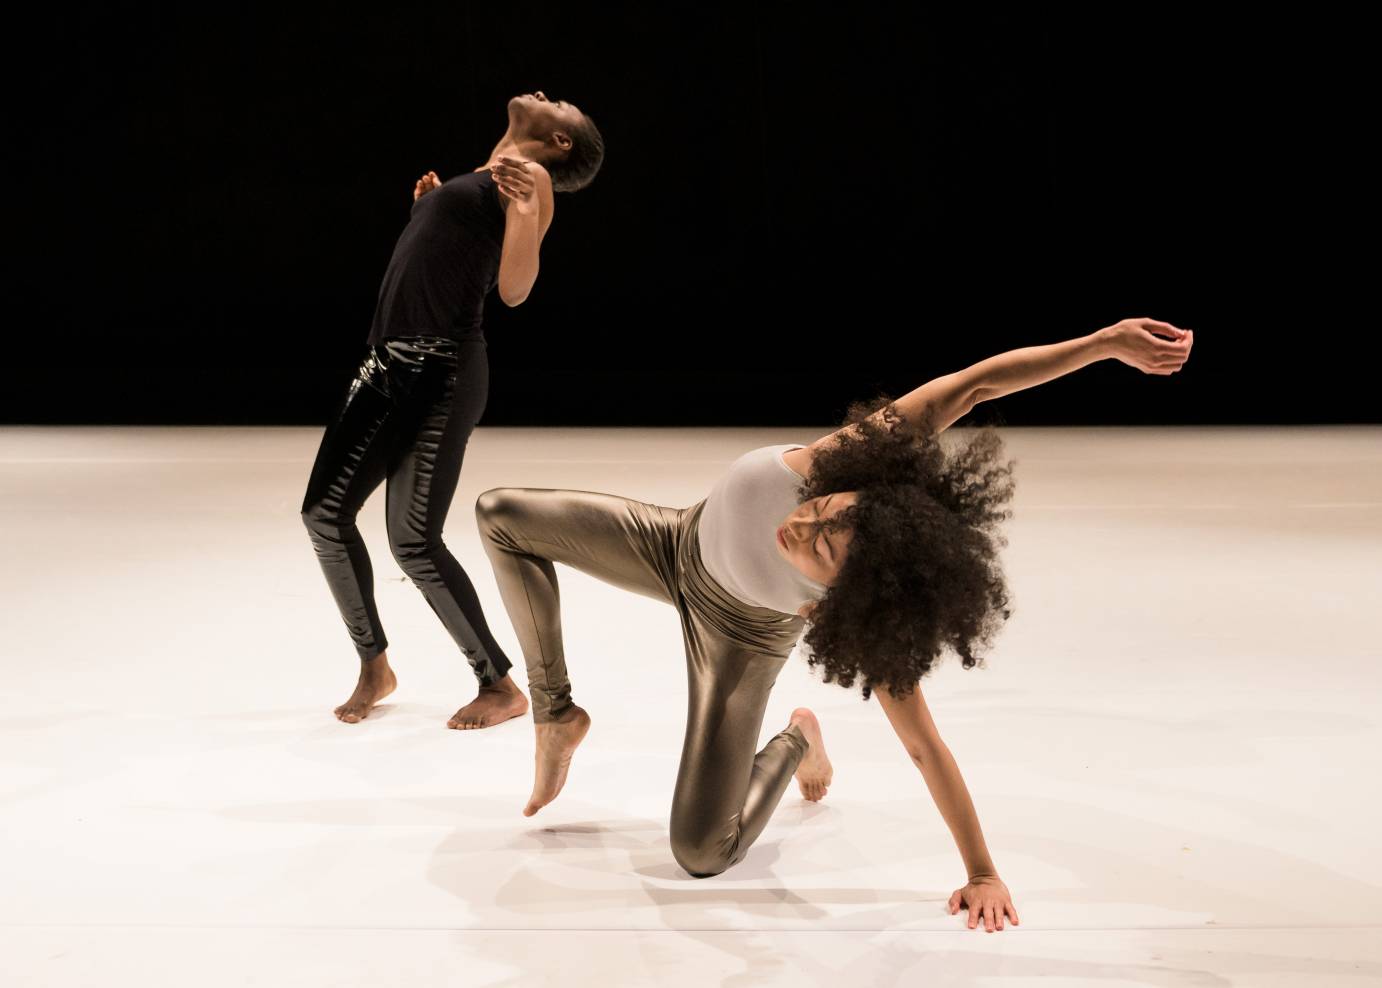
[1102,341]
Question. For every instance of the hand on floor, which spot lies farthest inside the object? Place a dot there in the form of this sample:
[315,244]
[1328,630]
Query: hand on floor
[986,897]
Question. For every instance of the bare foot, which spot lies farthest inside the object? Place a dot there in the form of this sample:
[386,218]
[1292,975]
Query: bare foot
[556,743]
[815,772]
[376,682]
[492,705]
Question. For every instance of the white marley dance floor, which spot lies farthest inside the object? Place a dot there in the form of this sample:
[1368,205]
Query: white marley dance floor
[1173,751]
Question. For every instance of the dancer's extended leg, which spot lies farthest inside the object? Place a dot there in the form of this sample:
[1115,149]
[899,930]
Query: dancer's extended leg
[351,461]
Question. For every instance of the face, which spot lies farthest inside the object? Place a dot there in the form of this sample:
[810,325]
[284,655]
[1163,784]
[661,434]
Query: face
[534,115]
[816,552]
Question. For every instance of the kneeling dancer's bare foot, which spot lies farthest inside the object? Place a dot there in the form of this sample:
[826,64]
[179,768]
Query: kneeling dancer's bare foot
[376,682]
[492,705]
[815,772]
[556,743]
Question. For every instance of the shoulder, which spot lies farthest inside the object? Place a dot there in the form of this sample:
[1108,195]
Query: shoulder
[542,178]
[539,171]
[799,460]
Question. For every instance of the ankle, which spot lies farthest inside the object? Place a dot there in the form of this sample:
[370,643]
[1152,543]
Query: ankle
[375,668]
[505,685]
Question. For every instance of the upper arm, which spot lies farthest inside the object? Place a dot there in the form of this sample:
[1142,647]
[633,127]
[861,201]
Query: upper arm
[545,204]
[911,721]
[546,201]
[946,398]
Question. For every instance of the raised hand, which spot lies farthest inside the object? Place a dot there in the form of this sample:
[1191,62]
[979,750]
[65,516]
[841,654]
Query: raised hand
[425,184]
[987,897]
[1151,346]
[516,184]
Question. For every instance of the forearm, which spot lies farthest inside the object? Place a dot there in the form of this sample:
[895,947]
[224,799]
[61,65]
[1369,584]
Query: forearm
[1029,366]
[518,261]
[951,795]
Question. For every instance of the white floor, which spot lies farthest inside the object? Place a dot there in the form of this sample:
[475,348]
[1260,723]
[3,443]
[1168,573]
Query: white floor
[1173,751]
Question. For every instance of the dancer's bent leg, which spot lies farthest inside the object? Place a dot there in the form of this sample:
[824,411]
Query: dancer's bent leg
[726,792]
[627,543]
[443,405]
[525,530]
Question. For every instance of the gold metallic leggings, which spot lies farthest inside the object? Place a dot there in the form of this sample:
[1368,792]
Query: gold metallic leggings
[725,791]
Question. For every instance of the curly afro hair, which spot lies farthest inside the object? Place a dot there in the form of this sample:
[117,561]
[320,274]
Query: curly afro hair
[922,572]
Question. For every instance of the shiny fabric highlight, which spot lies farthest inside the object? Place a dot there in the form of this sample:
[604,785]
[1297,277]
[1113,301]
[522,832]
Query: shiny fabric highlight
[725,791]
[405,420]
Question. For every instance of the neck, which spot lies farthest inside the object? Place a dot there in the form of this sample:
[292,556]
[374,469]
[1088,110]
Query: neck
[526,148]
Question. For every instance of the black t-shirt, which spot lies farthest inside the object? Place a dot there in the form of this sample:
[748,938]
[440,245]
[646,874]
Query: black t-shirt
[445,262]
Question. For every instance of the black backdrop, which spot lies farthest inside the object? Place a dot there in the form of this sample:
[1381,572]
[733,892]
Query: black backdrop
[800,205]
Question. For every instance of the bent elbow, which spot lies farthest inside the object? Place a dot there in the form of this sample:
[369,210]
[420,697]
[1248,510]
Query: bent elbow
[512,298]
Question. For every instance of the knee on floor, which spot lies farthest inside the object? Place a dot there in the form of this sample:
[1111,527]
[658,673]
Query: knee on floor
[701,858]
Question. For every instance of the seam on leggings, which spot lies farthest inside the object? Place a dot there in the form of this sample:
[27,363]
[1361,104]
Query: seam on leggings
[542,649]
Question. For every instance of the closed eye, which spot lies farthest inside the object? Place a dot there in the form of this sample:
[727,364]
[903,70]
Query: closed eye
[819,505]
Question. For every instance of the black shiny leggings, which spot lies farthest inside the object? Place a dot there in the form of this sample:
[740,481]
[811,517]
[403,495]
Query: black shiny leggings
[406,418]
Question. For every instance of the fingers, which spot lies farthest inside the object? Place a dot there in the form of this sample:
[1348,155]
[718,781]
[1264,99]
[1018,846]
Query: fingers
[1168,348]
[973,914]
[517,188]
[1011,911]
[511,175]
[427,183]
[1163,328]
[1165,356]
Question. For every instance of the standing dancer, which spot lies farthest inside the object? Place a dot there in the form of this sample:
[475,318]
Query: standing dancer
[422,387]
[885,542]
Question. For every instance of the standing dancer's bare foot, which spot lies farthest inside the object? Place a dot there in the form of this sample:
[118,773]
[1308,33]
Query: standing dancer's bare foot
[556,742]
[815,772]
[376,682]
[492,705]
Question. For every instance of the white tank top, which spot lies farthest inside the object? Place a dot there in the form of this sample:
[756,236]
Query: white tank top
[738,531]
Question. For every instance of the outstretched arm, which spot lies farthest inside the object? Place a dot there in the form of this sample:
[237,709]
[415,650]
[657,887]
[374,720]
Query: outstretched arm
[1147,344]
[984,894]
[1151,346]
[1137,342]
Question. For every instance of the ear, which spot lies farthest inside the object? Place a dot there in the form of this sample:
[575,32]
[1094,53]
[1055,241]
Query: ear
[562,140]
